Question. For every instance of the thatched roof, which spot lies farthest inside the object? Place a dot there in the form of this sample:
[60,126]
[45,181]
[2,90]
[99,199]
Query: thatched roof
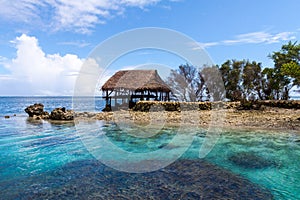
[136,80]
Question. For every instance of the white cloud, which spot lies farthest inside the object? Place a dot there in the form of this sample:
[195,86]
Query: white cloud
[260,37]
[139,3]
[3,60]
[23,10]
[79,16]
[77,44]
[33,72]
[204,45]
[5,77]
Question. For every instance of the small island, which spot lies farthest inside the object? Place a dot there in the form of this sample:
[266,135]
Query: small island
[261,115]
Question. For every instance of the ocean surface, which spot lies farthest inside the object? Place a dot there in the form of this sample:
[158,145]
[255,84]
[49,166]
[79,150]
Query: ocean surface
[45,160]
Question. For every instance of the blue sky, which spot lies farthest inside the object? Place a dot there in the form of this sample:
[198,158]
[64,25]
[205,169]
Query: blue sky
[43,43]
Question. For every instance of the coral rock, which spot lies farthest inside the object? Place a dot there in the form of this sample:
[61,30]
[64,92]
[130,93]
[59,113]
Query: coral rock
[62,114]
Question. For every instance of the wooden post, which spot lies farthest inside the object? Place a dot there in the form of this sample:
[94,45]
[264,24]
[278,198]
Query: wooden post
[106,98]
[116,93]
[142,95]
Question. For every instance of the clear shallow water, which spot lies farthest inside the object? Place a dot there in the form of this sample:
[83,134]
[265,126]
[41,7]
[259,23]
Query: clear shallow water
[271,160]
[38,158]
[16,105]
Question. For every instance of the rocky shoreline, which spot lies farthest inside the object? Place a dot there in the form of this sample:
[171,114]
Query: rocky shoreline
[268,119]
[229,117]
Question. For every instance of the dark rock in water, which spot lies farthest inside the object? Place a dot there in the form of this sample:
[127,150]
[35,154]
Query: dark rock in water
[36,111]
[107,108]
[6,116]
[33,121]
[251,160]
[45,115]
[89,179]
[62,114]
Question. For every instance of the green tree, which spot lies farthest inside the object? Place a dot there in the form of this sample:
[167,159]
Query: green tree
[241,79]
[232,76]
[292,69]
[286,69]
[252,81]
[270,85]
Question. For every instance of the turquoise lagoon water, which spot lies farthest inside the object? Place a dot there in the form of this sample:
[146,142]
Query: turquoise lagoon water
[42,160]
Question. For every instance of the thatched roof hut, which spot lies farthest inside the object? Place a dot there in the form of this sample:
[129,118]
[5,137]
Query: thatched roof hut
[137,80]
[131,85]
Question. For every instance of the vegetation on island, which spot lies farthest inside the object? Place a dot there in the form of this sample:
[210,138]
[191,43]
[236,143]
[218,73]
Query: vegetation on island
[242,79]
